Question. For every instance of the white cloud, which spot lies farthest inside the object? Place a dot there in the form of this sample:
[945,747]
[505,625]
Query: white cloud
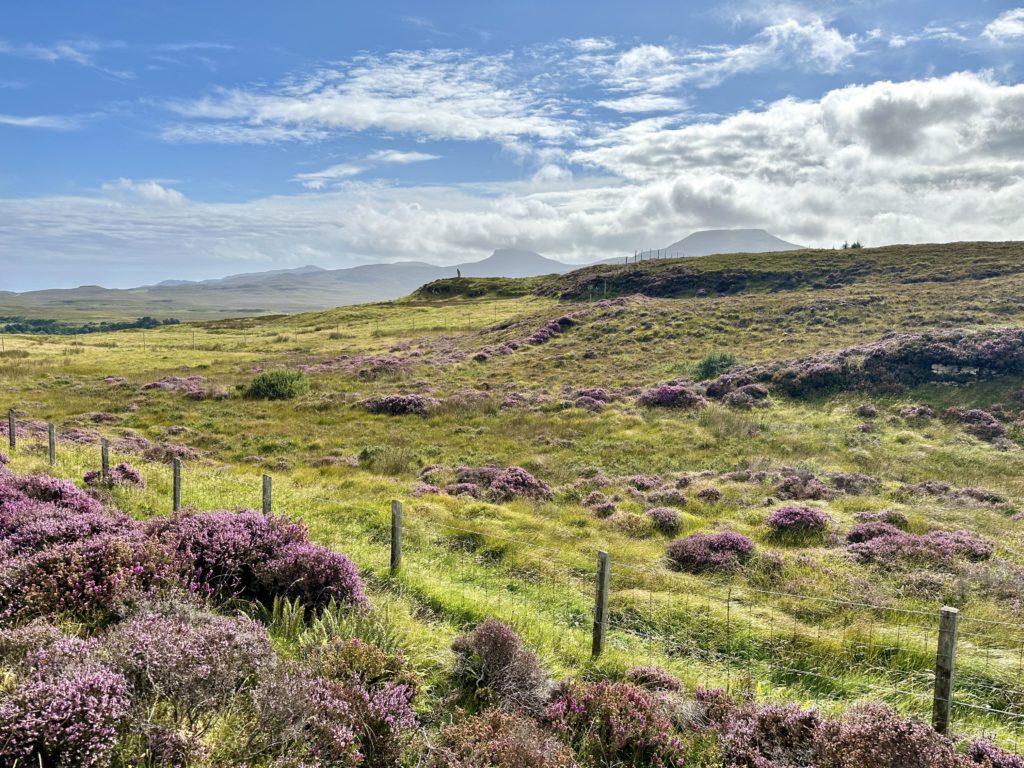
[916,161]
[81,52]
[55,122]
[435,94]
[1007,27]
[321,179]
[147,192]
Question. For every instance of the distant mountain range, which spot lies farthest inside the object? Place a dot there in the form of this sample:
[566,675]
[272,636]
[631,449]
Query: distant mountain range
[311,287]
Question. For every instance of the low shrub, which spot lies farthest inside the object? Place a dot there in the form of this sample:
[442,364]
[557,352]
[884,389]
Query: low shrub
[654,679]
[672,396]
[516,483]
[313,574]
[497,739]
[615,724]
[986,753]
[400,405]
[797,521]
[665,519]
[495,667]
[714,364]
[124,475]
[875,736]
[65,722]
[717,552]
[278,384]
[770,736]
[937,548]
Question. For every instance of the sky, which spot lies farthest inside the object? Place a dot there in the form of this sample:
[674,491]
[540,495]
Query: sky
[144,140]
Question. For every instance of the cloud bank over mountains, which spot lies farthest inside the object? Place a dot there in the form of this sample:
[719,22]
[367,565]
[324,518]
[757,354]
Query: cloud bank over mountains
[615,155]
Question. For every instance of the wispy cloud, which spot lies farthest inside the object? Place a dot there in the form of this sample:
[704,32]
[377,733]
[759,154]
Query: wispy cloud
[54,122]
[80,52]
[435,94]
[1007,27]
[340,171]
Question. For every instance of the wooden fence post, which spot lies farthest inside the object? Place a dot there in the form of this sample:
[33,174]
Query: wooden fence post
[396,536]
[268,486]
[176,492]
[51,435]
[105,459]
[12,437]
[945,663]
[601,603]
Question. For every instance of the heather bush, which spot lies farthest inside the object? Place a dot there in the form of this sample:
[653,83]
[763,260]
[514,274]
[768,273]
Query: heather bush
[15,490]
[872,530]
[891,516]
[769,736]
[665,519]
[313,574]
[854,483]
[802,487]
[793,521]
[400,405]
[875,736]
[124,475]
[615,724]
[220,552]
[667,496]
[672,396]
[938,548]
[654,679]
[516,483]
[495,667]
[279,384]
[191,659]
[496,739]
[66,722]
[463,489]
[709,495]
[986,753]
[716,552]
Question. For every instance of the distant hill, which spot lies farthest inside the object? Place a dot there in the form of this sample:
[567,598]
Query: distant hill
[709,242]
[275,291]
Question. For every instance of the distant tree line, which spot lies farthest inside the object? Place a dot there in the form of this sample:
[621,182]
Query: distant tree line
[15,324]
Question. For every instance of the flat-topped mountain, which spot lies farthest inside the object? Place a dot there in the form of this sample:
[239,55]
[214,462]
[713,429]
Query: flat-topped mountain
[709,242]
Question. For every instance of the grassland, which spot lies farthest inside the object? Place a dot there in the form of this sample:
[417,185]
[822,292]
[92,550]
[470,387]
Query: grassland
[805,622]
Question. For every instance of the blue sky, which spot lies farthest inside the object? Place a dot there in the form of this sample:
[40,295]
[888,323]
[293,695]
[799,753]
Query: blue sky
[149,140]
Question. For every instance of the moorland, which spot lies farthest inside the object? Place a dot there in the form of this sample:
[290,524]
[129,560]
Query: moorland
[793,460]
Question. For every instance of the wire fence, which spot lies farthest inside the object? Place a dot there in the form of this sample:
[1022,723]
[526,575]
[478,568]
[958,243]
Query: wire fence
[727,634]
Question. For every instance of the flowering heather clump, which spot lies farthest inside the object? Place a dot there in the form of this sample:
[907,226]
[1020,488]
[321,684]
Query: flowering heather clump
[615,724]
[496,667]
[193,659]
[192,386]
[929,487]
[937,548]
[771,735]
[748,396]
[665,519]
[709,495]
[593,499]
[854,483]
[802,487]
[399,405]
[875,736]
[168,452]
[4,460]
[977,422]
[124,475]
[463,489]
[700,552]
[313,574]
[645,482]
[981,495]
[605,510]
[595,393]
[654,679]
[423,489]
[515,483]
[797,520]
[482,476]
[65,722]
[588,404]
[220,552]
[64,494]
[866,411]
[988,754]
[667,496]
[672,396]
[871,530]
[891,516]
[497,739]
[919,412]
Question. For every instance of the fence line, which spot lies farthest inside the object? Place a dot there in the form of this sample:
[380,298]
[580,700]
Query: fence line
[749,642]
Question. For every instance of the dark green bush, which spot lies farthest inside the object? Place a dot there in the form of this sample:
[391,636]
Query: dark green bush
[714,364]
[277,385]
